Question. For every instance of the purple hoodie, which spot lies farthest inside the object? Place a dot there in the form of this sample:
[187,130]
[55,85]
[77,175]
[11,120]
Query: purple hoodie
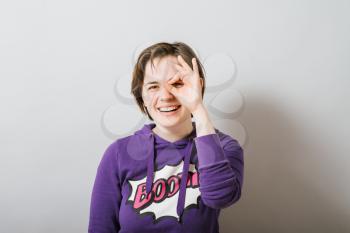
[140,183]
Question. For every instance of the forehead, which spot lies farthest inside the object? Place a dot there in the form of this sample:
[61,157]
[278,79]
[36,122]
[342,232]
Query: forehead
[163,68]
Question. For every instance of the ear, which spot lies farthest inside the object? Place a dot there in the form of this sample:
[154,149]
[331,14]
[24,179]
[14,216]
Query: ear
[202,81]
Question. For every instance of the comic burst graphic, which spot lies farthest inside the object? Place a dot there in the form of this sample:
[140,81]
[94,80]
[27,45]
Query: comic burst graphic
[166,192]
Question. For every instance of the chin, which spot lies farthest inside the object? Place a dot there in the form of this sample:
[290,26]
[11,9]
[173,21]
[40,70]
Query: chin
[168,122]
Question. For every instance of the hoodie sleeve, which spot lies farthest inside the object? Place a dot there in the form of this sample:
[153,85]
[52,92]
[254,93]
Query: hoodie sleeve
[220,166]
[106,195]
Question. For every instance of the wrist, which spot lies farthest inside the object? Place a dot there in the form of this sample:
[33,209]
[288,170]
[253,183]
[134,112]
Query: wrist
[200,110]
[204,125]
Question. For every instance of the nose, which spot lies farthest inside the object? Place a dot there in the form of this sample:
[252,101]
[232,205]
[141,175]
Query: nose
[165,95]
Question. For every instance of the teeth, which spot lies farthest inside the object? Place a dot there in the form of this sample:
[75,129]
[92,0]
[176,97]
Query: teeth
[167,109]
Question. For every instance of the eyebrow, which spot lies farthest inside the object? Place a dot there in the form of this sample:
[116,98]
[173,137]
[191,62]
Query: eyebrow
[152,82]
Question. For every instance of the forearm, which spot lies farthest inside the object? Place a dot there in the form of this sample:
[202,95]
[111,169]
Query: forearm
[220,170]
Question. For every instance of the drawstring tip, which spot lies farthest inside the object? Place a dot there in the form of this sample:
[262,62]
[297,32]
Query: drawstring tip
[148,188]
[180,218]
[179,213]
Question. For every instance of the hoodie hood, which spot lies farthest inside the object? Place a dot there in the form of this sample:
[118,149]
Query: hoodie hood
[157,143]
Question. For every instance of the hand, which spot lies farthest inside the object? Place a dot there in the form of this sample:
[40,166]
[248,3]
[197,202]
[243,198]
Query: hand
[187,86]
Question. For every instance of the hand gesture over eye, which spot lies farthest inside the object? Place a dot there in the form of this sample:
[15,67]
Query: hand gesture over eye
[186,84]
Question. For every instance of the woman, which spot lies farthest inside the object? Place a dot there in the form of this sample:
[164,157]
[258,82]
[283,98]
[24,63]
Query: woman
[173,175]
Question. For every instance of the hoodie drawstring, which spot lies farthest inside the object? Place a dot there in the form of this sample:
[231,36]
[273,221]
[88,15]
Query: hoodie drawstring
[150,167]
[182,190]
[182,193]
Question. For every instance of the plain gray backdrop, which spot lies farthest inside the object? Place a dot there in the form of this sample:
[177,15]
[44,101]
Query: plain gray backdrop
[59,62]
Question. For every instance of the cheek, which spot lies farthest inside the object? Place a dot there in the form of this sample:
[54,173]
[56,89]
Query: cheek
[149,98]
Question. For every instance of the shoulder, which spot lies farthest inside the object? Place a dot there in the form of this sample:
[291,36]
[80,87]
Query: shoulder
[111,153]
[114,147]
[110,158]
[135,146]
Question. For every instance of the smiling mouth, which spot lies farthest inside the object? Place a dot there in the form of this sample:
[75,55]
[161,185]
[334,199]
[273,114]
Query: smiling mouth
[169,109]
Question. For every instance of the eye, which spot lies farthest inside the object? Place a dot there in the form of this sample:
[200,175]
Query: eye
[178,84]
[152,87]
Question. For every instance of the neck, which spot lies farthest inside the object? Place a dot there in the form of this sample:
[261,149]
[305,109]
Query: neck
[174,133]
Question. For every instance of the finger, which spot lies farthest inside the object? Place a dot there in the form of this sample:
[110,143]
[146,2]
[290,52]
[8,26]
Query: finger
[183,63]
[195,66]
[179,68]
[172,81]
[175,78]
[171,89]
[181,79]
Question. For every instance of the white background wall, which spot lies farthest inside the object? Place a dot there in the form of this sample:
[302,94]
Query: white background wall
[59,62]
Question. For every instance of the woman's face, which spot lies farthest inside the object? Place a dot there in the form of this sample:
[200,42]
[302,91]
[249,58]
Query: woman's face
[156,96]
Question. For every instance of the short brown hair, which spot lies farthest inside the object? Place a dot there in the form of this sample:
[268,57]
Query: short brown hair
[160,50]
